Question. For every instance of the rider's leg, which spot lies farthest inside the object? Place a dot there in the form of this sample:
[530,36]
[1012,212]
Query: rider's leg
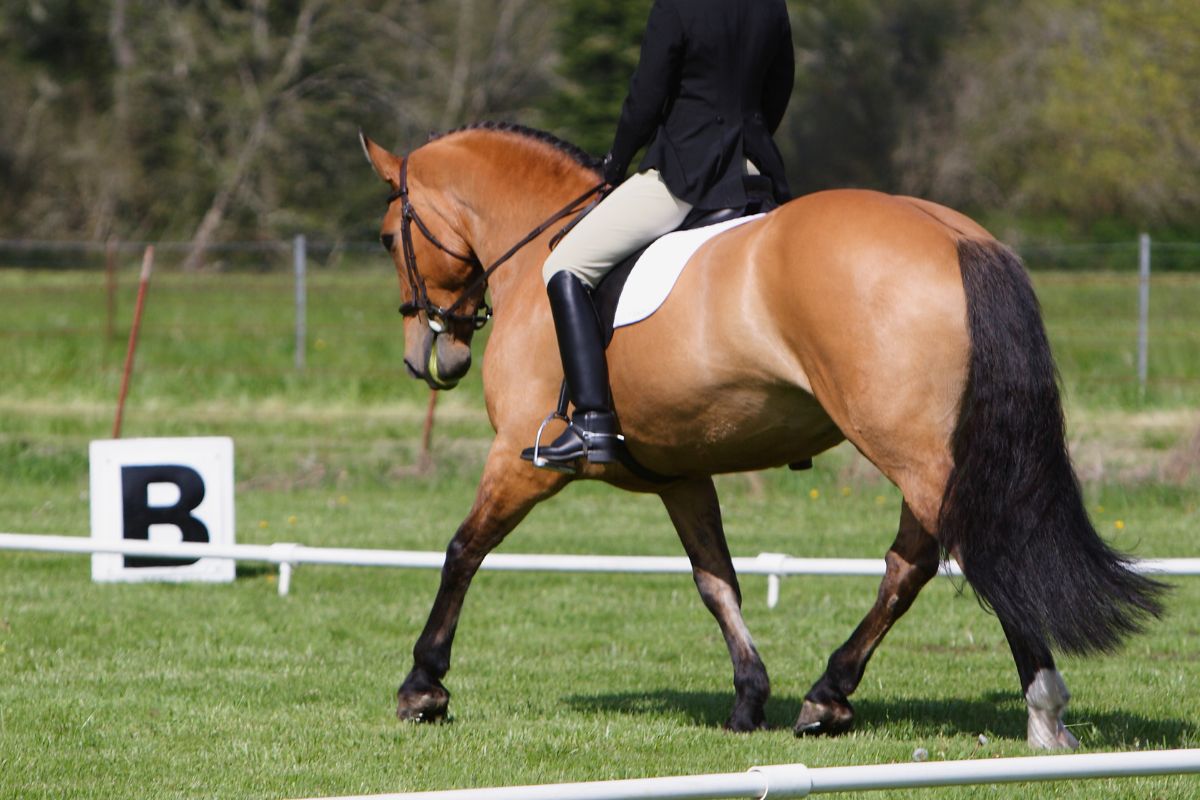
[634,214]
[638,211]
[593,429]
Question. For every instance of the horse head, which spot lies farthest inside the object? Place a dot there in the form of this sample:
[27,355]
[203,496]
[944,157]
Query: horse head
[442,298]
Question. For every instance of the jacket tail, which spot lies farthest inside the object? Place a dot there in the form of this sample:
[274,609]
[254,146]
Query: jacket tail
[1013,510]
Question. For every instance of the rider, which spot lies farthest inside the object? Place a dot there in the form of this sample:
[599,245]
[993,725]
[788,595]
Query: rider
[711,86]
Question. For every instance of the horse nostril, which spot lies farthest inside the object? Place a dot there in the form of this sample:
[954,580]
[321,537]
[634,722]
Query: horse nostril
[387,240]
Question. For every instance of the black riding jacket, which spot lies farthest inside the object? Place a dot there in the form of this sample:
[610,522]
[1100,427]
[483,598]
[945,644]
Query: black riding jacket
[710,88]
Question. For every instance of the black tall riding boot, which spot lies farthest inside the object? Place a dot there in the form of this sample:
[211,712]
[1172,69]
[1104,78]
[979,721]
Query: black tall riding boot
[592,432]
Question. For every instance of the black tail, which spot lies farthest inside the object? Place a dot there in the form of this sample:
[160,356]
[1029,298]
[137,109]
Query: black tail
[1013,510]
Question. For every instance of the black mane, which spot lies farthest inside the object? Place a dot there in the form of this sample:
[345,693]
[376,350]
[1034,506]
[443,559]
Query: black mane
[578,154]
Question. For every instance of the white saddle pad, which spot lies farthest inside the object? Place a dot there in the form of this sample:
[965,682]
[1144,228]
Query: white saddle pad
[660,266]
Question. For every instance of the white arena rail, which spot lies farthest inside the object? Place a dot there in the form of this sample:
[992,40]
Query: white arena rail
[288,556]
[797,780]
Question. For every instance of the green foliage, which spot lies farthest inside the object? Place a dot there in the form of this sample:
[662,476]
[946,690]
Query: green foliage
[599,42]
[232,120]
[1087,112]
[237,120]
[864,66]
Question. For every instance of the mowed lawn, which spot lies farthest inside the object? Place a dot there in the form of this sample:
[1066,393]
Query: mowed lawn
[233,691]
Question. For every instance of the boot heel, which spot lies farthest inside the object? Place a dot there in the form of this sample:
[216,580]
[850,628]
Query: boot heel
[604,448]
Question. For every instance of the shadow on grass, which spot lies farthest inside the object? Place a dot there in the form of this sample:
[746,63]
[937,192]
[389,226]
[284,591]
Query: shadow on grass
[996,713]
[246,571]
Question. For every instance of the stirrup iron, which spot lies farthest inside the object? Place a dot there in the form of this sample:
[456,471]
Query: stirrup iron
[542,463]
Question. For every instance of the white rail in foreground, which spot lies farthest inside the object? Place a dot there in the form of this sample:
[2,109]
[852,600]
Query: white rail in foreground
[288,556]
[797,780]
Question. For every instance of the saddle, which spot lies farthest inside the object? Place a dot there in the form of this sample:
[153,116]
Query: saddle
[760,199]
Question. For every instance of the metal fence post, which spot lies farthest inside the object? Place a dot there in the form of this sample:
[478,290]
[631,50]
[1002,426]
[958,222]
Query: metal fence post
[300,259]
[1143,364]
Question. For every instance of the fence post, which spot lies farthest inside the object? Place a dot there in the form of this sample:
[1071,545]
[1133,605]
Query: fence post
[300,260]
[1143,364]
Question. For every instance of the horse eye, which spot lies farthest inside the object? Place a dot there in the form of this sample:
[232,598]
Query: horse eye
[387,240]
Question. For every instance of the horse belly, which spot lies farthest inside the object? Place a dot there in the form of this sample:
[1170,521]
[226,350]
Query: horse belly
[678,425]
[702,386]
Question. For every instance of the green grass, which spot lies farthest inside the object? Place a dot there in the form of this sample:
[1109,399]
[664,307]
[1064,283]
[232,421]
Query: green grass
[231,691]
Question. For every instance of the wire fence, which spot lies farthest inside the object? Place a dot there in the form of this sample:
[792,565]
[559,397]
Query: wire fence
[259,314]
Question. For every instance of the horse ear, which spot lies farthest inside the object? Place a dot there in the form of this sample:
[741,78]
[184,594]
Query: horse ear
[386,165]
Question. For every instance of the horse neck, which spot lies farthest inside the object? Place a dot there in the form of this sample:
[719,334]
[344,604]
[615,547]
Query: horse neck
[501,191]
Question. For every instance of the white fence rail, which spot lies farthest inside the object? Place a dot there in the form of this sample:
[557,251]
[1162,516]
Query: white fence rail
[288,556]
[797,780]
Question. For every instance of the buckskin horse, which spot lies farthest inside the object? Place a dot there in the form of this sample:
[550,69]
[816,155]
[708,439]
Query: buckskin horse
[898,324]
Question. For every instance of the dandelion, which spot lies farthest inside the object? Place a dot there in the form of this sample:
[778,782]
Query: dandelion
[1119,524]
[880,499]
[262,523]
[293,519]
[814,493]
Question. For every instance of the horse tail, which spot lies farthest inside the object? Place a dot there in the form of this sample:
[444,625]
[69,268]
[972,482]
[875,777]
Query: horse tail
[1012,511]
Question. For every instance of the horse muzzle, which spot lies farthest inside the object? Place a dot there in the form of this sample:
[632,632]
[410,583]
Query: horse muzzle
[443,364]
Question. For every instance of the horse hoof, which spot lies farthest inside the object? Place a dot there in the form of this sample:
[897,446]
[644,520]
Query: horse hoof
[823,719]
[1058,739]
[424,708]
[746,722]
[425,704]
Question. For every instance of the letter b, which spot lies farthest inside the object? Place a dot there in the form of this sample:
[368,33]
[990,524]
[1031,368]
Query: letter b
[139,515]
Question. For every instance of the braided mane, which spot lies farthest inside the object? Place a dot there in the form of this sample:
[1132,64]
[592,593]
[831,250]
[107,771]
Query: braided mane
[578,154]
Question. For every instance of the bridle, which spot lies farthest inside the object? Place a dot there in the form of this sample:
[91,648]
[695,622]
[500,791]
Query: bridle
[439,318]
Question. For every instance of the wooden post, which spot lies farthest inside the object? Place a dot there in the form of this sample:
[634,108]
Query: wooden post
[425,458]
[143,284]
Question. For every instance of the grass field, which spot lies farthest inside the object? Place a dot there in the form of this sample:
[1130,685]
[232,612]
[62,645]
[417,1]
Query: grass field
[232,691]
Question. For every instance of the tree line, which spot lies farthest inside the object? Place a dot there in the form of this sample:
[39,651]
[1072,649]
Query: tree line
[215,120]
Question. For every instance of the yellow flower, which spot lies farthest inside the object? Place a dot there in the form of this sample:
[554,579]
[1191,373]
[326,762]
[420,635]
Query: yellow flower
[262,523]
[292,520]
[845,491]
[814,493]
[1119,524]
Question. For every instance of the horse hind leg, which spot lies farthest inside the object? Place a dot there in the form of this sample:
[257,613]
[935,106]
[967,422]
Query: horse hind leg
[1045,692]
[696,514]
[911,561]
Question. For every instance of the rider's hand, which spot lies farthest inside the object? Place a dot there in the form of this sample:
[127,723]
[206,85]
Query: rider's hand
[614,173]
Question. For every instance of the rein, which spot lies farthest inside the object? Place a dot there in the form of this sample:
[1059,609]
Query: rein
[438,317]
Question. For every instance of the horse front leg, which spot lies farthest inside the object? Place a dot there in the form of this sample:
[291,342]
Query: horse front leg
[696,513]
[507,492]
[911,562]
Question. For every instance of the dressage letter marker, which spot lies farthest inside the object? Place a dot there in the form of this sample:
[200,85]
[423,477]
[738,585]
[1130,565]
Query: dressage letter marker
[162,491]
